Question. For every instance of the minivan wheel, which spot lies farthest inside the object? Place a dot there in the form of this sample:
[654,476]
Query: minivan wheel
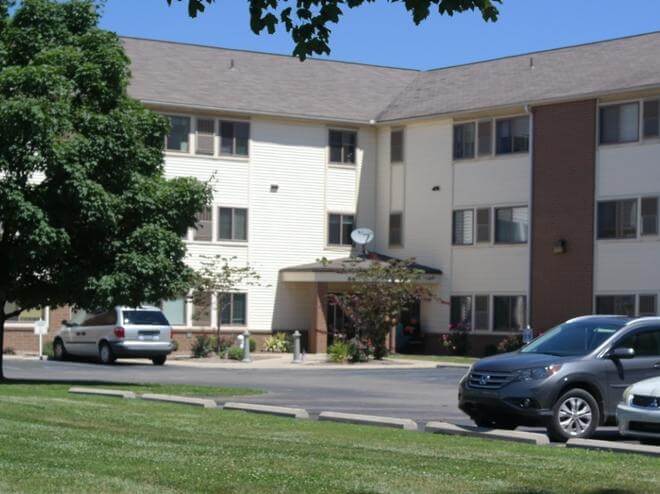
[59,352]
[575,415]
[160,360]
[105,354]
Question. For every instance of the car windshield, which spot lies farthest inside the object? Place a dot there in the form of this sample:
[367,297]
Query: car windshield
[573,339]
[145,317]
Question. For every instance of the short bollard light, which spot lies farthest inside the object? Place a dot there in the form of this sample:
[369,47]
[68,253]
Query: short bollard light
[246,347]
[297,356]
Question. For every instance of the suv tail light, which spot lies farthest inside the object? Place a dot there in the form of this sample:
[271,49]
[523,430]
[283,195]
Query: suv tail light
[120,332]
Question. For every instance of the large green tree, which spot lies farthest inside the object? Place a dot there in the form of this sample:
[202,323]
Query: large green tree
[308,20]
[86,215]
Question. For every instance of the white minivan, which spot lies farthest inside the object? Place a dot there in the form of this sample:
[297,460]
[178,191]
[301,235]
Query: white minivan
[122,332]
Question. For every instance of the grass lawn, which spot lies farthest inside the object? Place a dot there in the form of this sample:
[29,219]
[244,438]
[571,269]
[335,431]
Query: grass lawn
[450,359]
[54,442]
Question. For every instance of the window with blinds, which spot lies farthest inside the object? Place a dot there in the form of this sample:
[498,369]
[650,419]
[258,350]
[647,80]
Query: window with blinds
[617,219]
[205,137]
[463,227]
[652,118]
[511,225]
[619,123]
[512,135]
[204,226]
[481,312]
[396,146]
[461,312]
[483,225]
[464,138]
[396,229]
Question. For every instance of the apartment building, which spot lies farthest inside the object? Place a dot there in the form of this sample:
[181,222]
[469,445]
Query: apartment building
[526,187]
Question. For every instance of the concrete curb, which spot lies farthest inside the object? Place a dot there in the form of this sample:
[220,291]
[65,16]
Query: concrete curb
[351,418]
[102,392]
[182,400]
[452,366]
[296,413]
[611,446]
[503,435]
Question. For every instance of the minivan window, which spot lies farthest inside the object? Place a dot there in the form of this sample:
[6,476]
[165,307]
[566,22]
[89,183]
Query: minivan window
[144,317]
[574,339]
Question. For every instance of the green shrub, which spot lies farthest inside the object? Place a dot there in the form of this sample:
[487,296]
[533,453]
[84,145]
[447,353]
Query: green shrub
[358,351]
[277,343]
[9,351]
[175,345]
[48,349]
[510,343]
[235,353]
[339,352]
[201,347]
[253,345]
[456,342]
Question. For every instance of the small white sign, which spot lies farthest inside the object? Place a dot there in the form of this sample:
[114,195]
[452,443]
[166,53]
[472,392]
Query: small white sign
[40,327]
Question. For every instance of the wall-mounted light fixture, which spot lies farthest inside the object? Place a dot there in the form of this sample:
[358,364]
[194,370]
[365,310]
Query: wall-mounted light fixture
[559,247]
[274,188]
[435,188]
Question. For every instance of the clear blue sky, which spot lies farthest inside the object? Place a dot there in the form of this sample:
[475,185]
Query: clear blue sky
[384,34]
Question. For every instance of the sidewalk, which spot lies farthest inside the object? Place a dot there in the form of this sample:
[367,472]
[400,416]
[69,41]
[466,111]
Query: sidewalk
[284,361]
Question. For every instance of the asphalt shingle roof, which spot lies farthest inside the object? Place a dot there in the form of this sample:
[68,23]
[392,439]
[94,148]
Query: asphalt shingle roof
[249,82]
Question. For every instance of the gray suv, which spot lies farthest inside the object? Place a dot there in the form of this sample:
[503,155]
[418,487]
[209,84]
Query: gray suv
[121,332]
[569,380]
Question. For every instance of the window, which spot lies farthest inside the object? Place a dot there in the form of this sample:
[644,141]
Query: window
[623,305]
[483,225]
[27,316]
[232,224]
[511,225]
[649,216]
[396,230]
[340,227]
[464,141]
[485,128]
[107,318]
[205,136]
[396,146]
[201,311]
[513,135]
[232,308]
[619,123]
[461,312]
[645,343]
[617,219]
[652,118]
[481,312]
[234,138]
[509,313]
[175,311]
[203,228]
[144,318]
[463,227]
[177,139]
[342,146]
[648,305]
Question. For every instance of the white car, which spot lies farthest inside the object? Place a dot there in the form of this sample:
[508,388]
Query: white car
[121,332]
[638,415]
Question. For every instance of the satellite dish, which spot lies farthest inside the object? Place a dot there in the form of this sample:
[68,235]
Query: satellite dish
[362,236]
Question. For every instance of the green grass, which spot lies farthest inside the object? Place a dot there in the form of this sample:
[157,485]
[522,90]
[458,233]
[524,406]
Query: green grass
[451,359]
[51,441]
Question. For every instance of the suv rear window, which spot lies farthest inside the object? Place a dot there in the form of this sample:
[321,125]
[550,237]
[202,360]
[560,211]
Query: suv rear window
[144,317]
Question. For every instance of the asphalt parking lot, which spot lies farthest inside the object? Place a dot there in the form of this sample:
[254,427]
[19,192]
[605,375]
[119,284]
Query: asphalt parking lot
[420,394]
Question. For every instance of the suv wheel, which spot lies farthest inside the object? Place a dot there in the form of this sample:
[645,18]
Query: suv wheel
[59,352]
[575,415]
[160,360]
[105,354]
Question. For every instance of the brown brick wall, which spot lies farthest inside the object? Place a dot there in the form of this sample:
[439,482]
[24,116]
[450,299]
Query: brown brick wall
[22,339]
[563,175]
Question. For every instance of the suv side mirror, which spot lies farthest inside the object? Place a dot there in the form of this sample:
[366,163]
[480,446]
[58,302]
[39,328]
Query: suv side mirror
[621,353]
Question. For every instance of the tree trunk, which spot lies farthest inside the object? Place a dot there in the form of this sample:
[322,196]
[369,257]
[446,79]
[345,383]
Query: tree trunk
[2,346]
[217,338]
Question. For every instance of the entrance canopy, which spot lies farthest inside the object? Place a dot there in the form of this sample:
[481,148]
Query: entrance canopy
[341,270]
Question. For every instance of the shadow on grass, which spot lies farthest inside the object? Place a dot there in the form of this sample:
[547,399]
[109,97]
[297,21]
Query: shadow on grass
[594,491]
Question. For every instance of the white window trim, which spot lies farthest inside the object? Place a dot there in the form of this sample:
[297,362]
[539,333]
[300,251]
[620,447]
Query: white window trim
[403,145]
[340,164]
[340,247]
[638,237]
[400,245]
[216,235]
[491,242]
[493,136]
[232,325]
[640,123]
[623,293]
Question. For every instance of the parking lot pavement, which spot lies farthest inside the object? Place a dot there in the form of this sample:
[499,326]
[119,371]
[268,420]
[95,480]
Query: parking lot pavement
[420,394]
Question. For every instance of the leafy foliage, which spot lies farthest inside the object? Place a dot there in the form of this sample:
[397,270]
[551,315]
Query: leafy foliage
[510,343]
[308,20]
[277,343]
[201,347]
[222,275]
[456,341]
[339,352]
[87,217]
[235,353]
[375,300]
